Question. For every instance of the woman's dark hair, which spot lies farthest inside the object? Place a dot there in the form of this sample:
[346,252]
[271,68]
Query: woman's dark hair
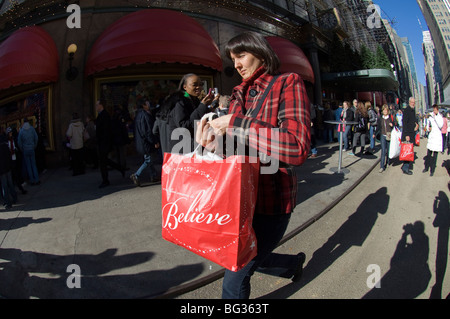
[184,80]
[257,45]
[168,104]
[361,109]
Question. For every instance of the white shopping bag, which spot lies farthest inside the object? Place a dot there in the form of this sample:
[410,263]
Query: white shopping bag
[394,148]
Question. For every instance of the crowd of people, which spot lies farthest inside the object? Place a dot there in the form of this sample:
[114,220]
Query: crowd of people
[93,142]
[18,162]
[369,124]
[154,128]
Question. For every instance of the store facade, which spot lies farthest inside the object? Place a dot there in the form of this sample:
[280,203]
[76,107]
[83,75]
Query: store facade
[123,53]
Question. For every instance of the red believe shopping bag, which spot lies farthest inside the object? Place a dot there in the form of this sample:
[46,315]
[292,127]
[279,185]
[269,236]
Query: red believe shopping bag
[407,152]
[417,139]
[208,207]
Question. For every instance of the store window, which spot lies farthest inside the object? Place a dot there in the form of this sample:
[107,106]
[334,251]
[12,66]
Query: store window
[36,107]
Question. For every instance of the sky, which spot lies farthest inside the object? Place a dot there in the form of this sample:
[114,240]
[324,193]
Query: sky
[406,14]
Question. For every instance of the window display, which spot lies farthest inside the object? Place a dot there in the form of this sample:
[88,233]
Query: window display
[33,105]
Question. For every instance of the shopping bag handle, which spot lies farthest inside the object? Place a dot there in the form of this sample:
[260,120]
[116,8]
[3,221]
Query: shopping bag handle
[210,156]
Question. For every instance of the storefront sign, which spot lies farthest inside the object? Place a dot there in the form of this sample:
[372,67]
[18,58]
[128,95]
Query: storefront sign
[352,73]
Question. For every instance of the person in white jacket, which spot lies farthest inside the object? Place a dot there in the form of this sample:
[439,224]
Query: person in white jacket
[434,145]
[75,134]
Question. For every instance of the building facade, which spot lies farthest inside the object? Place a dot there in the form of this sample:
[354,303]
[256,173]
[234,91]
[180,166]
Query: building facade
[130,49]
[437,16]
[432,71]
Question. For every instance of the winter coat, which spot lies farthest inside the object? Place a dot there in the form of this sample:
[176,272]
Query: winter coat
[383,126]
[185,112]
[337,114]
[347,115]
[373,117]
[103,131]
[145,140]
[161,129]
[435,137]
[119,130]
[409,124]
[28,138]
[75,134]
[361,127]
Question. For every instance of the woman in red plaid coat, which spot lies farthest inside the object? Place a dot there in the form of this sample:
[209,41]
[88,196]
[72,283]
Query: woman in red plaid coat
[279,130]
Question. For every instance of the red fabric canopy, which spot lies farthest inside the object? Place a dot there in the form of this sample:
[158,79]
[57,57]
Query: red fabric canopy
[368,96]
[292,58]
[153,36]
[29,55]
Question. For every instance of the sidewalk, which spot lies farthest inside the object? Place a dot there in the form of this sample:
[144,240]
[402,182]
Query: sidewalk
[114,234]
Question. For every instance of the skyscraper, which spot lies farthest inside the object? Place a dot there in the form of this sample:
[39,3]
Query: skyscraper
[432,71]
[437,16]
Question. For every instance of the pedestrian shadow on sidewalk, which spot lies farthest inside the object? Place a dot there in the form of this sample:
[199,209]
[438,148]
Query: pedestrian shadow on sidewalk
[59,190]
[409,274]
[19,222]
[352,233]
[441,208]
[26,274]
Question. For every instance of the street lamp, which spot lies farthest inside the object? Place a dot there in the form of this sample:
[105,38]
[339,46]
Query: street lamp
[72,72]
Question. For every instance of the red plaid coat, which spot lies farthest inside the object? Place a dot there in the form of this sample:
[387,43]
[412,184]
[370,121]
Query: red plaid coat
[281,129]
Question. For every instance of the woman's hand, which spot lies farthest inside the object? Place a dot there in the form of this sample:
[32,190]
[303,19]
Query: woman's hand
[207,132]
[207,100]
[221,124]
[205,135]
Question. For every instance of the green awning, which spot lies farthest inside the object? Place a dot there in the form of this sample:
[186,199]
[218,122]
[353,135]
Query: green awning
[373,80]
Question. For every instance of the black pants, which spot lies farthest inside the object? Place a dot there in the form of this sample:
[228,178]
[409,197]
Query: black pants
[431,160]
[104,162]
[16,172]
[91,156]
[77,161]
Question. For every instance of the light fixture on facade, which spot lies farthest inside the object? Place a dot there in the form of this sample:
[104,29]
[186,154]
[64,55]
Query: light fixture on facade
[72,72]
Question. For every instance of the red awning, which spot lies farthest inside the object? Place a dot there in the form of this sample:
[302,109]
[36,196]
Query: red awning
[368,96]
[292,58]
[29,55]
[153,36]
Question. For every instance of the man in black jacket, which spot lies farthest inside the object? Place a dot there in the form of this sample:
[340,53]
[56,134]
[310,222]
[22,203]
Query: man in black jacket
[104,141]
[410,126]
[146,142]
